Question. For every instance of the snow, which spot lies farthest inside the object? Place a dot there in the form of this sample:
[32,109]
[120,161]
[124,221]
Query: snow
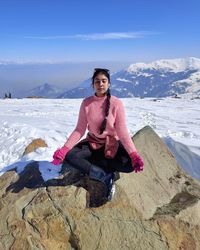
[177,121]
[122,79]
[175,65]
[194,81]
[144,74]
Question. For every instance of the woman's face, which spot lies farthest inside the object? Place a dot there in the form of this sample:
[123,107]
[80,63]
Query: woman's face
[101,84]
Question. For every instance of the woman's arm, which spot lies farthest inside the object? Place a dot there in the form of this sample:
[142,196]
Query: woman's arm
[126,140]
[121,128]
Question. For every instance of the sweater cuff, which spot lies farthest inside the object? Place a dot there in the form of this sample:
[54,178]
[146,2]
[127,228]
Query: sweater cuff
[132,154]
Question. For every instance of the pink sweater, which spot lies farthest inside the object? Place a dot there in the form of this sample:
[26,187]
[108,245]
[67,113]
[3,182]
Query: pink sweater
[91,115]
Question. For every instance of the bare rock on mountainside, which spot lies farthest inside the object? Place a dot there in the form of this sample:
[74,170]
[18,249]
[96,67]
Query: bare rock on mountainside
[156,209]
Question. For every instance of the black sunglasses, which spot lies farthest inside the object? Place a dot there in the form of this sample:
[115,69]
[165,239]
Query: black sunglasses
[100,69]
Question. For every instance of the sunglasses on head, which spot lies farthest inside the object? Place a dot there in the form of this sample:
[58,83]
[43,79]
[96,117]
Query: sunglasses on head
[101,69]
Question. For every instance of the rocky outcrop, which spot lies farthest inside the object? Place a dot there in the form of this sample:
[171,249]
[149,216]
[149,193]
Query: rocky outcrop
[156,209]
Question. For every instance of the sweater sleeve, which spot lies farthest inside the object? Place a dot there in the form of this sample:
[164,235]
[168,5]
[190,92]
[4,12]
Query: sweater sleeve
[121,129]
[80,129]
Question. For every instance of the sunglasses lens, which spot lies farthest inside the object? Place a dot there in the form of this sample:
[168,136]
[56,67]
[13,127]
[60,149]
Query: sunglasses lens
[100,69]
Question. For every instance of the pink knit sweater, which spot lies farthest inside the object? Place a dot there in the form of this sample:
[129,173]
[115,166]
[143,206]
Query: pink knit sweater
[91,115]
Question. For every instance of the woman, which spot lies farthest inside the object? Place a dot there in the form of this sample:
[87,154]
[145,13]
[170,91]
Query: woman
[108,146]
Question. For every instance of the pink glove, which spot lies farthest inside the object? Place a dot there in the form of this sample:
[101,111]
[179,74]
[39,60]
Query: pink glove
[59,155]
[137,162]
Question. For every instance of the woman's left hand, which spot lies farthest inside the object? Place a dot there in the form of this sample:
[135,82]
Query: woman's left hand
[137,162]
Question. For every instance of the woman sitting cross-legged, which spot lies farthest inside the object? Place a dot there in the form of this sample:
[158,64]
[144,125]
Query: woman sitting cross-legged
[108,146]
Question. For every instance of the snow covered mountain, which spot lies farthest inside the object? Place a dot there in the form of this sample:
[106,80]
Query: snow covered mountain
[46,90]
[156,79]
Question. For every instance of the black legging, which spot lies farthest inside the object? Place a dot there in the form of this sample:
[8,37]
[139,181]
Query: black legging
[82,156]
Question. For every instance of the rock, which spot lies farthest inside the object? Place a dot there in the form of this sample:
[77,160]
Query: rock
[179,235]
[36,143]
[156,209]
[162,181]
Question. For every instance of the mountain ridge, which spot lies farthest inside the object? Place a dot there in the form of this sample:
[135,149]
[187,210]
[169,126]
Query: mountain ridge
[178,64]
[160,78]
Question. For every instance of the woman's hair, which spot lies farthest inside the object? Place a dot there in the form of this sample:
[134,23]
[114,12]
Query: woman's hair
[97,71]
[106,72]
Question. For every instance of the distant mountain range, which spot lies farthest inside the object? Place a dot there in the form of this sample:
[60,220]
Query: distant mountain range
[156,79]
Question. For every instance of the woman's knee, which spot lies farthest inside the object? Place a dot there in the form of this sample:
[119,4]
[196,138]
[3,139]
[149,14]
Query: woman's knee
[71,154]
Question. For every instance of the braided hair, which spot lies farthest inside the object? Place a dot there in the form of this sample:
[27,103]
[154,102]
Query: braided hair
[103,125]
[107,74]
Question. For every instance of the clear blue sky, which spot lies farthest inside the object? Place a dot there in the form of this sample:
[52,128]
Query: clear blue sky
[86,30]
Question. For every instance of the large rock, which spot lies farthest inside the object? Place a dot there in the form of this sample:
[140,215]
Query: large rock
[163,184]
[156,209]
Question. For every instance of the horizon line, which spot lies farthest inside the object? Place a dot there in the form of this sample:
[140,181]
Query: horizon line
[30,62]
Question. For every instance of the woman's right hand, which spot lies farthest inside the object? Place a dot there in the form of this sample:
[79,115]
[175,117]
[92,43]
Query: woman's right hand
[59,155]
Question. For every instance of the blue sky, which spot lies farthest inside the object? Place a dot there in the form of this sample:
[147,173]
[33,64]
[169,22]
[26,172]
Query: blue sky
[87,34]
[61,30]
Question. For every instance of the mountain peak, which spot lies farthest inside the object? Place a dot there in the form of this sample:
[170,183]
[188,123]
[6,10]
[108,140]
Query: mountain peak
[45,90]
[175,65]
